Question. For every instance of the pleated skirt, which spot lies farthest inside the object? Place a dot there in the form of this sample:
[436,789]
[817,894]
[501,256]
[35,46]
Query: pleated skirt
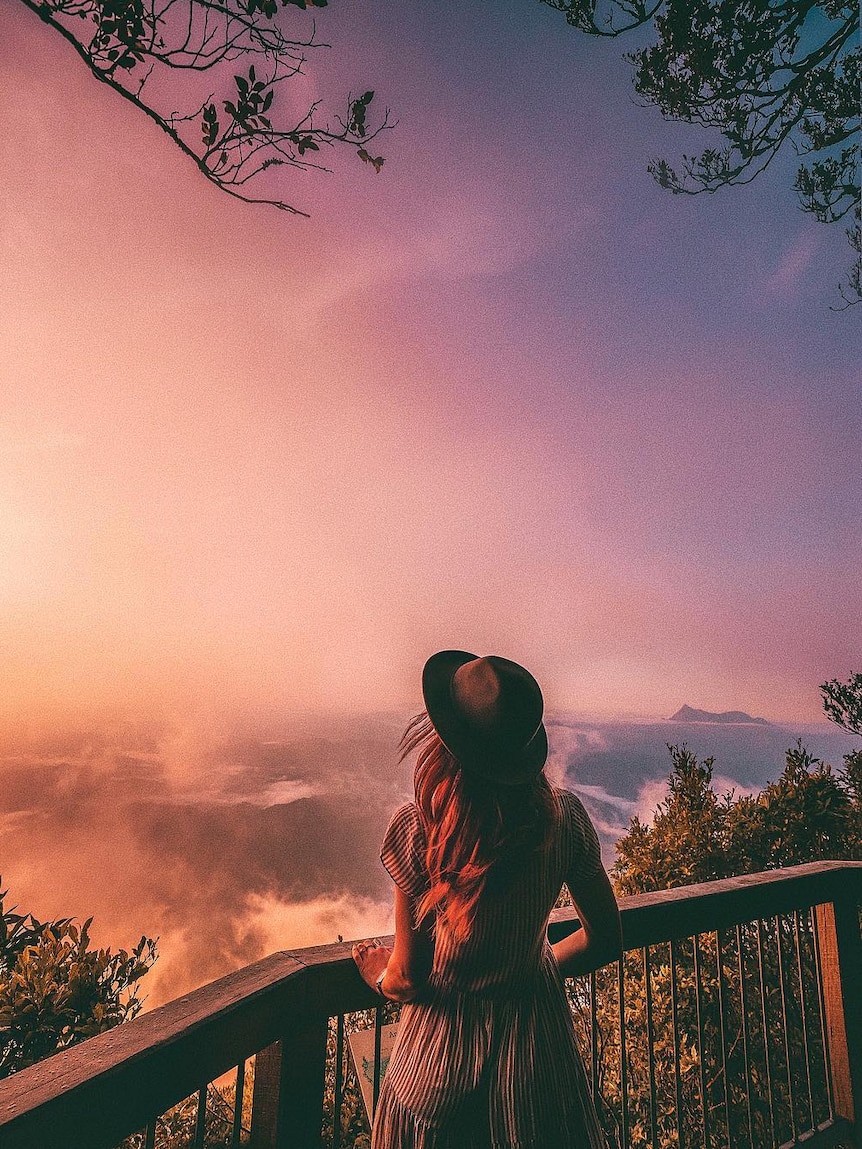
[476,1072]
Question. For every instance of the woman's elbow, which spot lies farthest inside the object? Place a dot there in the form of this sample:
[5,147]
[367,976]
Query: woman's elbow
[609,948]
[403,993]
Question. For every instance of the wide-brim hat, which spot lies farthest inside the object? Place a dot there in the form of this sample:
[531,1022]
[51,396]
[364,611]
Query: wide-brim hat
[488,713]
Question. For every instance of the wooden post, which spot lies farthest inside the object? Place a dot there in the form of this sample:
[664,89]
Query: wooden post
[841,970]
[289,1082]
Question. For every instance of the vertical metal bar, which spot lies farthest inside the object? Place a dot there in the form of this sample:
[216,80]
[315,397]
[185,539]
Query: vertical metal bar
[339,1082]
[674,1006]
[594,1037]
[621,1001]
[722,1032]
[821,1003]
[765,1024]
[653,1102]
[375,1093]
[239,1096]
[704,1097]
[746,1035]
[804,1015]
[150,1135]
[782,983]
[201,1118]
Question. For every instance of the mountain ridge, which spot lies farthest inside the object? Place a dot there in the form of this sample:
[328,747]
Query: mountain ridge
[688,713]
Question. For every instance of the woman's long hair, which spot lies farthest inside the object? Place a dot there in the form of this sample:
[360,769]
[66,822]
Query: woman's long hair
[477,833]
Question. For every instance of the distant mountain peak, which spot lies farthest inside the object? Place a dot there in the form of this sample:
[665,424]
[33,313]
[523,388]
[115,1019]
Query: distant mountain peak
[689,714]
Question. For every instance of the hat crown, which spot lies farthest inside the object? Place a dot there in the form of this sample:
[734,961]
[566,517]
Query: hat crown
[488,713]
[500,699]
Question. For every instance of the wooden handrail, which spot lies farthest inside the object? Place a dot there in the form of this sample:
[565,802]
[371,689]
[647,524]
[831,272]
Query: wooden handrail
[96,1093]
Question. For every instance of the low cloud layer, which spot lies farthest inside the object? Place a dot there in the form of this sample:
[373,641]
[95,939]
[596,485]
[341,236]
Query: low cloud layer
[266,845]
[234,844]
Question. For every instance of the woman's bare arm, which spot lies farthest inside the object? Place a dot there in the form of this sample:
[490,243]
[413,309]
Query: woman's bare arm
[408,963]
[599,940]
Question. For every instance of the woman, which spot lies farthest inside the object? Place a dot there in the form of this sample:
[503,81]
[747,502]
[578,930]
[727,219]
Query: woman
[486,1053]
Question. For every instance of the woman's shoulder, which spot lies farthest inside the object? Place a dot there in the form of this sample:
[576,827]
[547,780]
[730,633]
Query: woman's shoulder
[567,801]
[578,830]
[573,815]
[403,850]
[406,821]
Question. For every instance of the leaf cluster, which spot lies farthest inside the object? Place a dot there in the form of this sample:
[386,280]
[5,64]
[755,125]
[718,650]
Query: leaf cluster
[842,701]
[764,75]
[119,37]
[157,53]
[697,835]
[56,991]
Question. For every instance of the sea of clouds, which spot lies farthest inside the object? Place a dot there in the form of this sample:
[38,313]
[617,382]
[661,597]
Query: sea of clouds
[262,835]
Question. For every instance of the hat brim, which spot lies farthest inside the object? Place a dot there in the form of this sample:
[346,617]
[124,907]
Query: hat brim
[471,751]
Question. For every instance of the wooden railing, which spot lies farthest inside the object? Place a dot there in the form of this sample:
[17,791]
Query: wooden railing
[733,1020]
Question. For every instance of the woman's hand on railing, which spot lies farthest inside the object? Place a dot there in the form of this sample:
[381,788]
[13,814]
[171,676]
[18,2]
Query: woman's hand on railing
[371,960]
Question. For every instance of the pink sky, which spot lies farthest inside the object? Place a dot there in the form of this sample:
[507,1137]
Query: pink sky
[506,396]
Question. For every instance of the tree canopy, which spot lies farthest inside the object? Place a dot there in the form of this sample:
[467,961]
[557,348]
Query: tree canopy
[765,75]
[810,813]
[842,702]
[694,998]
[211,74]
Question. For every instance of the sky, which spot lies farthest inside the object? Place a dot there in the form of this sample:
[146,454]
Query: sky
[506,396]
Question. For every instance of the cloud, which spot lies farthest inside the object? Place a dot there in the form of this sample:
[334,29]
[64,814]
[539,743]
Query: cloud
[319,921]
[723,784]
[231,840]
[651,793]
[655,791]
[787,279]
[247,847]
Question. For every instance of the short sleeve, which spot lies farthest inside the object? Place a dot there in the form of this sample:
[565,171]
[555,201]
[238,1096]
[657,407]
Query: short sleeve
[403,851]
[584,852]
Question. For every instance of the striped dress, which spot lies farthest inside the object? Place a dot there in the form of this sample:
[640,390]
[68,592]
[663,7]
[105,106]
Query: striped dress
[487,1057]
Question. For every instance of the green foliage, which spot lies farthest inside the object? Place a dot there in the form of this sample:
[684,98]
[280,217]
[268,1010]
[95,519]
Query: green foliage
[764,76]
[842,702]
[158,55]
[809,814]
[651,858]
[176,1128]
[684,1024]
[679,1014]
[55,991]
[355,1129]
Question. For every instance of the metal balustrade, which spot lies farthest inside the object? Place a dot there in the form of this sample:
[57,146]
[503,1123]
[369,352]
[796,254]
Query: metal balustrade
[732,1021]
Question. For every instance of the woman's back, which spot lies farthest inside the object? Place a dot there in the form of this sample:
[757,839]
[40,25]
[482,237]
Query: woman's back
[486,1058]
[486,1055]
[503,951]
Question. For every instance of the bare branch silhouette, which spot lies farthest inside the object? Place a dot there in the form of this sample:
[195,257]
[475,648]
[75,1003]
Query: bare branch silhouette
[153,52]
